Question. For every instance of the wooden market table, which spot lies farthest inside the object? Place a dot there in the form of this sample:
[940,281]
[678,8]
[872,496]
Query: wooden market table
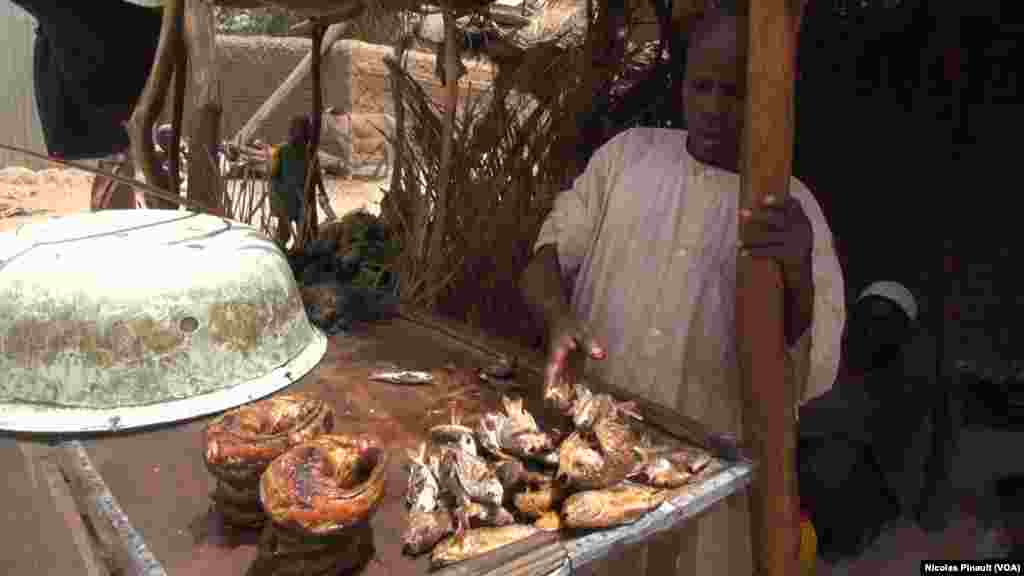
[159,483]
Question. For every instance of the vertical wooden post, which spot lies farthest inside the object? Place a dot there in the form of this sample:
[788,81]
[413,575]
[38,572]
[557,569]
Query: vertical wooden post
[177,109]
[140,126]
[766,168]
[309,224]
[204,169]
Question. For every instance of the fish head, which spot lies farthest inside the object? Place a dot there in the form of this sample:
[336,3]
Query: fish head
[577,460]
[513,408]
[492,493]
[589,408]
[529,443]
[488,431]
[467,444]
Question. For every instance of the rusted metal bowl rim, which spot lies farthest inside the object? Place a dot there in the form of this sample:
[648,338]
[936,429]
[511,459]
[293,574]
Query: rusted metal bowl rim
[37,418]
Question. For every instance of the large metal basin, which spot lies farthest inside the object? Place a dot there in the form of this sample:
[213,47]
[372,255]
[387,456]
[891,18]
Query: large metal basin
[127,318]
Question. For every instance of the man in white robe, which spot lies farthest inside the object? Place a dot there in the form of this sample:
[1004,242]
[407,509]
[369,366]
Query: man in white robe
[646,243]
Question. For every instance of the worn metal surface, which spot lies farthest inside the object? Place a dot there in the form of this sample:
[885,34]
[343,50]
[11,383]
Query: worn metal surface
[126,318]
[122,542]
[160,480]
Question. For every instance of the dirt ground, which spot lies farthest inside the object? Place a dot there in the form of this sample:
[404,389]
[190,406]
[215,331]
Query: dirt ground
[30,196]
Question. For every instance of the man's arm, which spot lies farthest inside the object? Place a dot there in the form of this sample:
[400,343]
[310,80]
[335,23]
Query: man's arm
[543,288]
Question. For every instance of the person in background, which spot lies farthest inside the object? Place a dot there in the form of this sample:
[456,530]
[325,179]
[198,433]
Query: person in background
[863,445]
[288,179]
[646,242]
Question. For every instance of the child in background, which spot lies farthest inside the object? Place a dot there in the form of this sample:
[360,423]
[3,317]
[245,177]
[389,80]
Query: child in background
[288,179]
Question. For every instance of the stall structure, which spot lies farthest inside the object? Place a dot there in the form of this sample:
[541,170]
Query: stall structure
[154,488]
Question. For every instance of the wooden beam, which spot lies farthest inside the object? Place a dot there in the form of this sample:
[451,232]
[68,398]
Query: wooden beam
[767,158]
[305,28]
[332,35]
[177,110]
[140,126]
[200,36]
[309,224]
[129,554]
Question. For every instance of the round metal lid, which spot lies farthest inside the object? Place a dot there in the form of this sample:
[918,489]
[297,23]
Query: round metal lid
[127,318]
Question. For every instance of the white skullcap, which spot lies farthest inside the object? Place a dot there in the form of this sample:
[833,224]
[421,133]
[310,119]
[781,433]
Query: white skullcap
[894,292]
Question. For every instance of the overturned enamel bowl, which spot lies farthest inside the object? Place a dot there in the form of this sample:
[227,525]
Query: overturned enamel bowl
[127,318]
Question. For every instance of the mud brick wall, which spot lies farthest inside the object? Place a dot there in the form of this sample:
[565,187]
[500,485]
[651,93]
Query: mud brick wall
[355,79]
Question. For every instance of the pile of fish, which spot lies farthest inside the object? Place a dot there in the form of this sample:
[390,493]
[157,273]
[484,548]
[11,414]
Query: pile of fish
[240,444]
[278,460]
[475,489]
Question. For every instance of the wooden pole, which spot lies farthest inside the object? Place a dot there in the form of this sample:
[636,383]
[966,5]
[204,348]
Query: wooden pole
[437,243]
[766,168]
[294,79]
[309,223]
[177,111]
[203,171]
[140,126]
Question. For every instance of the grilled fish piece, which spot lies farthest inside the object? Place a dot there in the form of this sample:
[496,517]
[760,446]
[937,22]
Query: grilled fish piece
[520,435]
[326,485]
[426,529]
[615,506]
[537,502]
[455,433]
[601,459]
[486,515]
[488,433]
[478,541]
[589,408]
[511,473]
[469,479]
[578,462]
[241,443]
[660,472]
[423,490]
[550,522]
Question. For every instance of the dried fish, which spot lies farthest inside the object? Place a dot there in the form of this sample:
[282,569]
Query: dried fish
[409,377]
[487,515]
[426,529]
[615,506]
[478,541]
[549,522]
[488,432]
[660,472]
[581,466]
[511,473]
[469,479]
[536,502]
[577,461]
[456,434]
[423,490]
[520,435]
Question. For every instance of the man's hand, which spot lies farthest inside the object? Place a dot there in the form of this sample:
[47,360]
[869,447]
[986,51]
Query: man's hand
[781,231]
[567,338]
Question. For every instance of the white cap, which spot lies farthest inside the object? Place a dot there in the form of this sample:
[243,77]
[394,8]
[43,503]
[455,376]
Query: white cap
[894,292]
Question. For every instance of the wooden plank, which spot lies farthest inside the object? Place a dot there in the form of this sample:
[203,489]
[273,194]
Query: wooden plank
[293,80]
[200,37]
[766,164]
[130,555]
